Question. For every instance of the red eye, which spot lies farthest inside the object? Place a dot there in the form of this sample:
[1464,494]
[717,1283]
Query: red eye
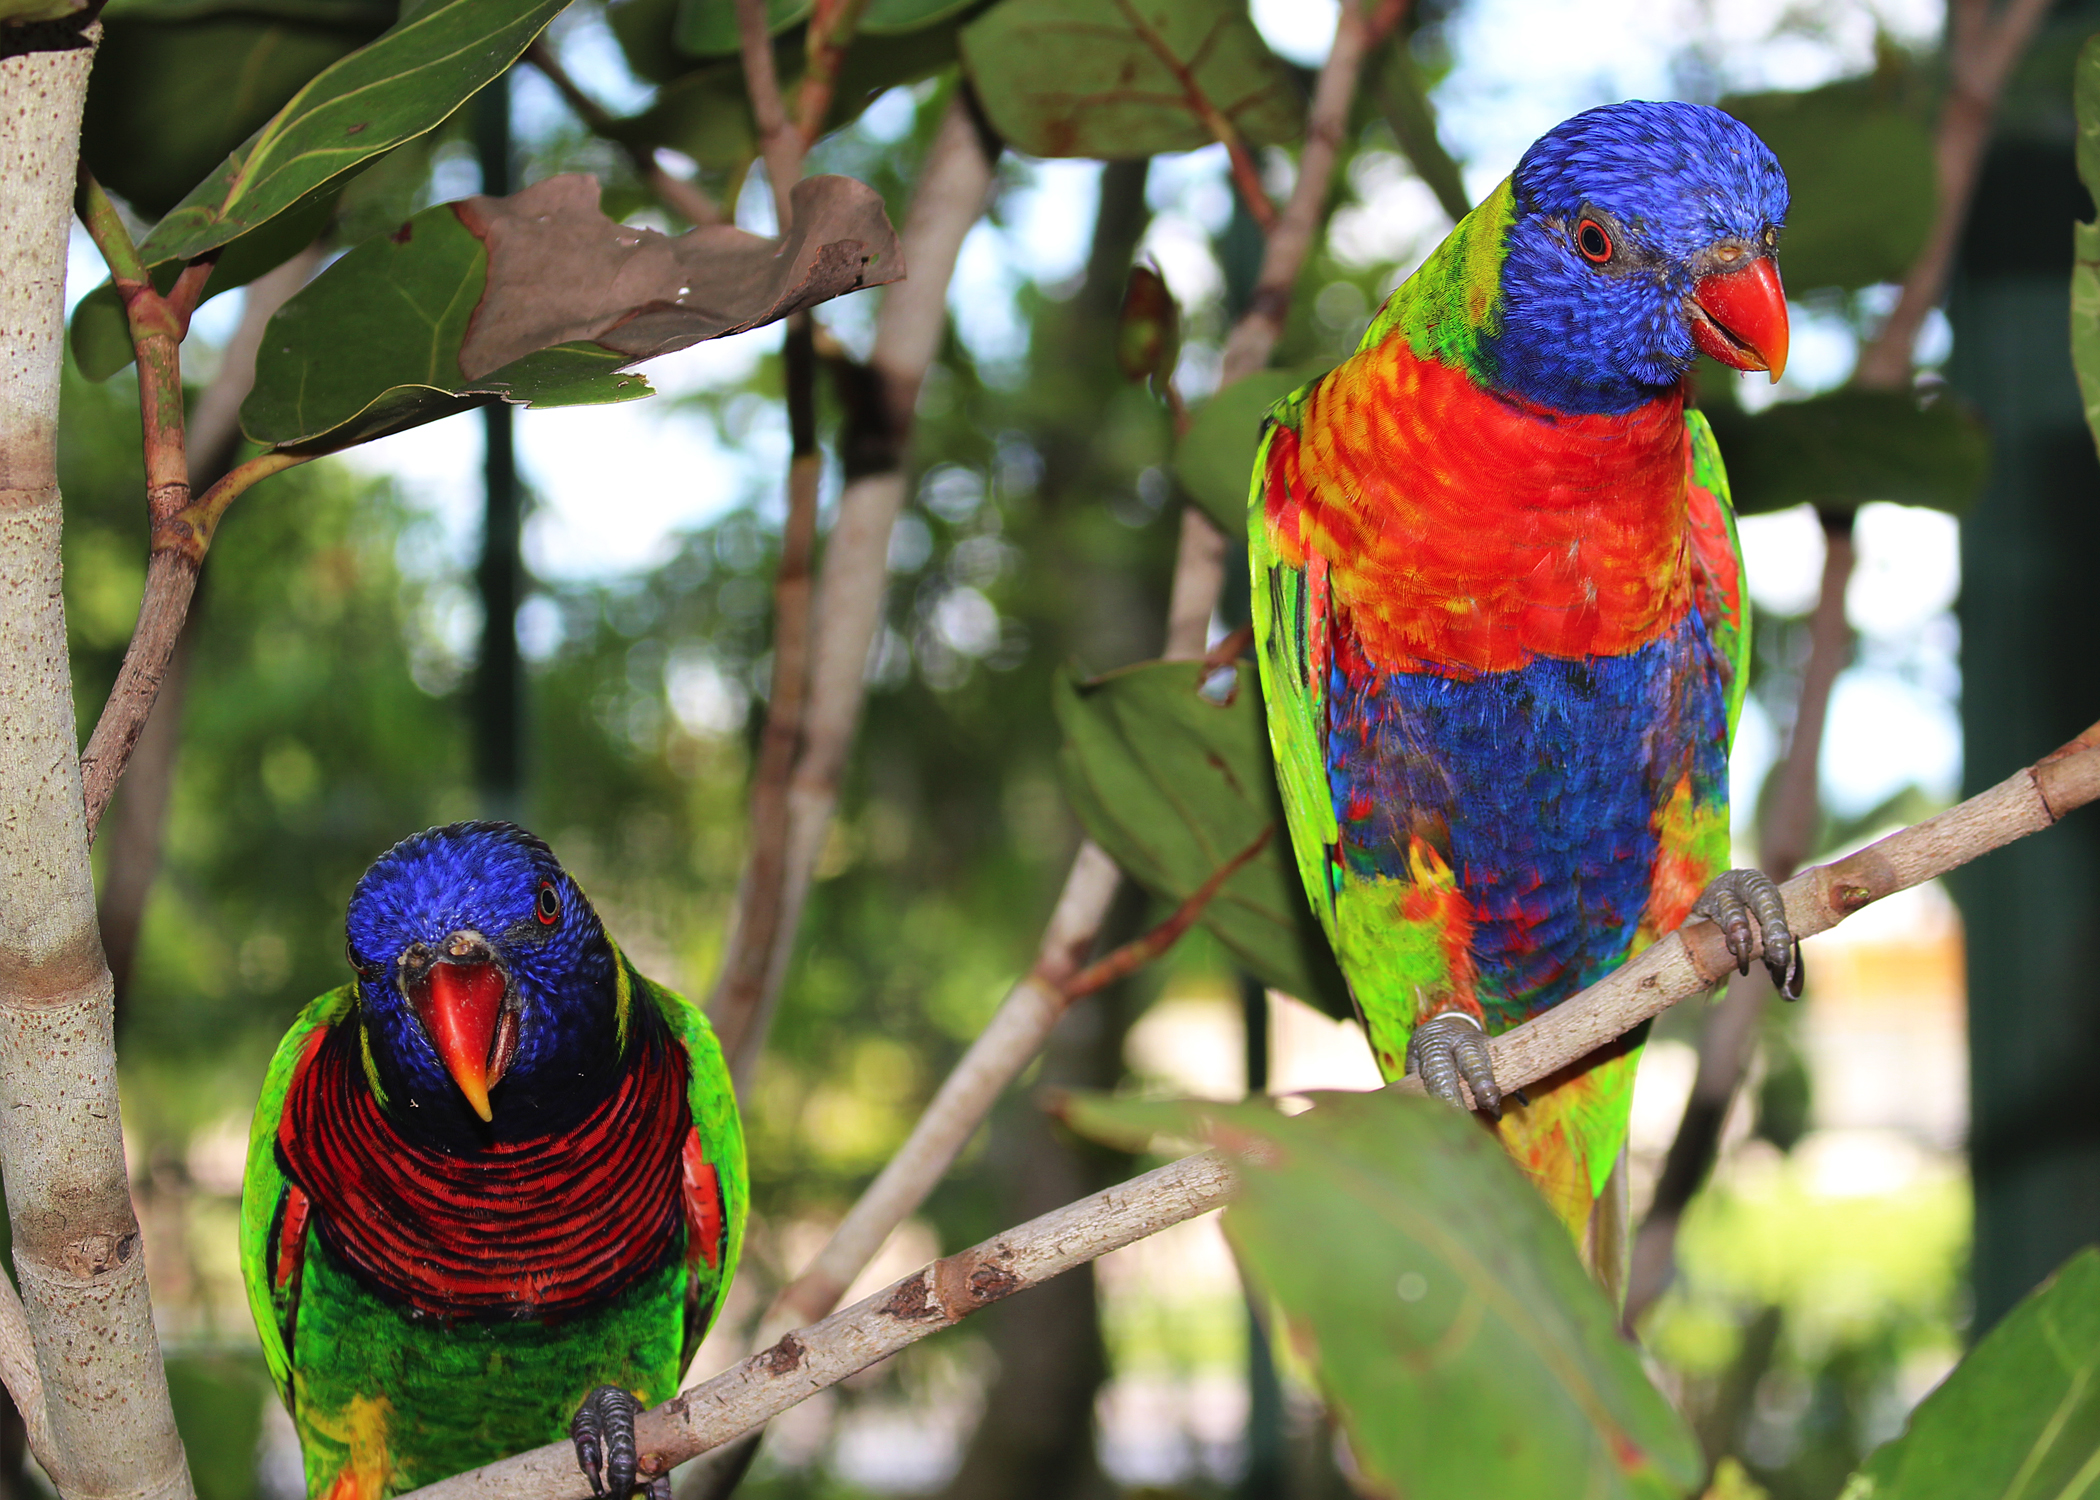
[1592,241]
[548,908]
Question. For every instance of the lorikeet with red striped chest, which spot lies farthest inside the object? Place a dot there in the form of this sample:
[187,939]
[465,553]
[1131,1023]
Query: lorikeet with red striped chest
[1500,619]
[495,1187]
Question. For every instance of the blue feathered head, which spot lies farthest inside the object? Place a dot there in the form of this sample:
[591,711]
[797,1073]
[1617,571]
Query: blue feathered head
[1643,234]
[486,984]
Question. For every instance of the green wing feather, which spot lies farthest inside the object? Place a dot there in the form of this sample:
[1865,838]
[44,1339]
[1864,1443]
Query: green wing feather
[263,1187]
[712,1099]
[1729,610]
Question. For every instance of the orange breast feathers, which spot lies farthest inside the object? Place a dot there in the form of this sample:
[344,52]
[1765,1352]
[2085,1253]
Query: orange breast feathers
[1468,534]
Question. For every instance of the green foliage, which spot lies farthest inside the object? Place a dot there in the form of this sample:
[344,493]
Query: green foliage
[169,99]
[20,12]
[1452,1329]
[2085,269]
[1214,458]
[1840,450]
[1403,98]
[1116,79]
[218,1400]
[400,86]
[1859,162]
[2019,1419]
[1174,781]
[373,345]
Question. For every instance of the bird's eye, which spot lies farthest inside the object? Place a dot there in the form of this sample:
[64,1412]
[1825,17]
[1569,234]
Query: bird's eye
[1593,242]
[363,971]
[548,908]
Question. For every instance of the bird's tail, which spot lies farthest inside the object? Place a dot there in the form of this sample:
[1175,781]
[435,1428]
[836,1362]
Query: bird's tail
[1569,1136]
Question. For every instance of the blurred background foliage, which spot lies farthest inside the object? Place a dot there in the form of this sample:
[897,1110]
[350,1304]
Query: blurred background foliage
[329,711]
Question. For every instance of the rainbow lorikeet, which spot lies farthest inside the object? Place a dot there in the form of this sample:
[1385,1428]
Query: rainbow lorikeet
[495,1187]
[1500,619]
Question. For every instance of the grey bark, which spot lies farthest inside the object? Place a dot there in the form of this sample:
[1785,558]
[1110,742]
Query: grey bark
[98,1402]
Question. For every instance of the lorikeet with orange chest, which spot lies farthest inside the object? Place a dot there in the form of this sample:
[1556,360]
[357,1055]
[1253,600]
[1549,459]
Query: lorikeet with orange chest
[495,1187]
[1500,619]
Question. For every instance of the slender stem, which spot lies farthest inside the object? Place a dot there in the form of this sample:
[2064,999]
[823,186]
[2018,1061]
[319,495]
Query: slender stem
[157,328]
[1024,1019]
[1686,963]
[1246,172]
[831,28]
[1981,53]
[179,544]
[1142,950]
[1326,129]
[778,140]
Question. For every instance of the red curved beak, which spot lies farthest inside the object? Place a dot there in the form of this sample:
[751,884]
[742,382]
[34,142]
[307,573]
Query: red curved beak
[461,1007]
[1739,317]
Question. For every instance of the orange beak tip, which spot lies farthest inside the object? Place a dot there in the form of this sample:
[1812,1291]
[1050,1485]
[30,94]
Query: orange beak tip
[461,1012]
[1745,323]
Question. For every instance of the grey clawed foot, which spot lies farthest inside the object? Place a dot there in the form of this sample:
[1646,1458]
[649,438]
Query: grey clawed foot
[1447,1048]
[603,1432]
[1731,901]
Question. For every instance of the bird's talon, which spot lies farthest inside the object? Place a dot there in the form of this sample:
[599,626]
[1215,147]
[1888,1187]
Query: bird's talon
[603,1432]
[1733,901]
[1447,1048]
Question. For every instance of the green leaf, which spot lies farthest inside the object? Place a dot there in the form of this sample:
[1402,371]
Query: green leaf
[897,17]
[1214,459]
[167,102]
[1403,98]
[26,12]
[1452,1330]
[1173,784]
[1840,450]
[394,90]
[101,336]
[2085,240]
[368,15]
[707,28]
[538,299]
[1120,79]
[1859,164]
[2019,1419]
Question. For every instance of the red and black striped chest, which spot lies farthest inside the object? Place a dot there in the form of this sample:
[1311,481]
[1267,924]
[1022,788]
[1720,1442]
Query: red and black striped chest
[536,1228]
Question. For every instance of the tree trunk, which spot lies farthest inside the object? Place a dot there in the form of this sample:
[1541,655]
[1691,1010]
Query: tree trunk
[76,1242]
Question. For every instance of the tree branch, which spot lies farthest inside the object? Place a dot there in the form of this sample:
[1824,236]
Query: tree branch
[1686,963]
[849,594]
[1981,53]
[831,28]
[1246,172]
[180,541]
[100,1396]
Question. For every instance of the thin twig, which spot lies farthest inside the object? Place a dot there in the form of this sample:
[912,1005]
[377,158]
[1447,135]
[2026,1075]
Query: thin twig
[1024,1020]
[676,193]
[179,544]
[1981,53]
[1143,949]
[763,924]
[1686,963]
[831,28]
[778,141]
[1326,128]
[1246,172]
